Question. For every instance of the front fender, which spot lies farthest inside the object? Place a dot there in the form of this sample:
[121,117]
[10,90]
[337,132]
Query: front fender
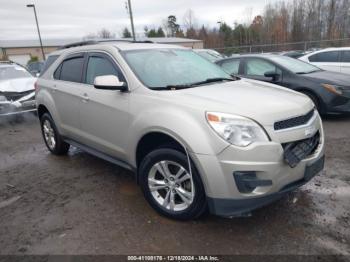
[188,127]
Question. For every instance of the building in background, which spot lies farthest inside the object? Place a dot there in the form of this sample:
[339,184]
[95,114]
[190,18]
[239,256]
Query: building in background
[20,51]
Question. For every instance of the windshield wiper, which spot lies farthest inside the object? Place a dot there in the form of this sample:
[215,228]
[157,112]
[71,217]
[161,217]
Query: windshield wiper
[191,85]
[212,80]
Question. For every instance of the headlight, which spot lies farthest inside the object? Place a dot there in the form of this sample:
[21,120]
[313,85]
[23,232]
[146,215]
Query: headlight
[237,130]
[338,90]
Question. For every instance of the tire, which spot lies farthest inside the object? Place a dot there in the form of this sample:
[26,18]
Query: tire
[315,100]
[53,140]
[183,207]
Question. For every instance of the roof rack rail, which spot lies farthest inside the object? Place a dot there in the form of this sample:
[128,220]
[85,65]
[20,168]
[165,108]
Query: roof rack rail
[94,42]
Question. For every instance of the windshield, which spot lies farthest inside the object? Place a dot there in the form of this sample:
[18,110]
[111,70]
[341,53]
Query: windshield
[12,72]
[159,68]
[295,65]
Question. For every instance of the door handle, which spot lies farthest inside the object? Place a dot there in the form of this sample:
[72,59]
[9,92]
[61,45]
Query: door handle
[54,89]
[85,98]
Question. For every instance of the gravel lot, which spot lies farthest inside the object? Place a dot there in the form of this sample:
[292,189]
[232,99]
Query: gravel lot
[79,204]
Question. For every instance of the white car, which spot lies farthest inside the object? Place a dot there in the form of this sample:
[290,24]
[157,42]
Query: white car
[17,92]
[330,59]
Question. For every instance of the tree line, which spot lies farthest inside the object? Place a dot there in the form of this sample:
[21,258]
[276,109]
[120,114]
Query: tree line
[281,22]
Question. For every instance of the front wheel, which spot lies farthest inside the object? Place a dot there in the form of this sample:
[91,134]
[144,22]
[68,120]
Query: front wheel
[52,138]
[169,187]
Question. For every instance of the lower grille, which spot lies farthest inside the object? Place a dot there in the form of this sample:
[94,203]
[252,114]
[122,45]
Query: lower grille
[295,121]
[295,152]
[13,96]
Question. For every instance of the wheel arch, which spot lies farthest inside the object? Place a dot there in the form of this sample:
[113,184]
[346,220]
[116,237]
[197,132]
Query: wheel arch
[312,92]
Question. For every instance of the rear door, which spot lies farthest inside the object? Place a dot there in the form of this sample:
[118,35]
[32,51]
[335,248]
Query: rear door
[255,68]
[104,113]
[345,62]
[66,92]
[328,60]
[231,66]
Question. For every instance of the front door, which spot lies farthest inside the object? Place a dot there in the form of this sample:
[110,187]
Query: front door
[104,114]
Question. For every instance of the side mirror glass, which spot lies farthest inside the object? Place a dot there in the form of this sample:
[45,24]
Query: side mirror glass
[272,74]
[109,82]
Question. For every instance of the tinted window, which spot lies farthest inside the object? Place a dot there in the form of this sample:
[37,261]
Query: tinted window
[258,67]
[231,66]
[346,56]
[99,66]
[331,56]
[49,61]
[72,69]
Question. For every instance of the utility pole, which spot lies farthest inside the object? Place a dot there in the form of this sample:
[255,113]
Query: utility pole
[37,26]
[131,20]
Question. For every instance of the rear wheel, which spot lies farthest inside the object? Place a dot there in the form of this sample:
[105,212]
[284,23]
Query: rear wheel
[169,187]
[52,138]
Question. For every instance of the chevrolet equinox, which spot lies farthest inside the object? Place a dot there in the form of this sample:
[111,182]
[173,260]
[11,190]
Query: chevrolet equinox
[196,138]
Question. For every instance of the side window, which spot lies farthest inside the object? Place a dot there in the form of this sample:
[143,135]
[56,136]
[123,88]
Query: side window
[231,66]
[328,57]
[72,69]
[57,73]
[346,57]
[258,67]
[99,66]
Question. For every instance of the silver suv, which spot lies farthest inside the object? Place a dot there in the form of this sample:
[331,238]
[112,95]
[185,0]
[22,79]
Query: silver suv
[196,138]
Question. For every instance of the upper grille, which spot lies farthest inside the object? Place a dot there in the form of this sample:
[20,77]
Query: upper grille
[295,121]
[13,96]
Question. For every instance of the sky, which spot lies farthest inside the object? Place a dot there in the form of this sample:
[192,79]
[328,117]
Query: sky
[78,18]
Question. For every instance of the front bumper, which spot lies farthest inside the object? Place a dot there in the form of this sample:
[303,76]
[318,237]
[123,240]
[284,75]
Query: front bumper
[272,176]
[339,105]
[23,105]
[241,207]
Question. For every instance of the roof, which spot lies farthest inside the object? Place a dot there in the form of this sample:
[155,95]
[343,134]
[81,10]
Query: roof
[61,42]
[123,46]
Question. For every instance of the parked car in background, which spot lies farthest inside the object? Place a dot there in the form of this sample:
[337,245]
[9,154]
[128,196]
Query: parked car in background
[331,59]
[293,54]
[35,68]
[209,54]
[17,92]
[329,91]
[195,137]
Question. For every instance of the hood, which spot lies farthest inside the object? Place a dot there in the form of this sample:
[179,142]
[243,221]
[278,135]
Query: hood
[263,102]
[17,85]
[328,77]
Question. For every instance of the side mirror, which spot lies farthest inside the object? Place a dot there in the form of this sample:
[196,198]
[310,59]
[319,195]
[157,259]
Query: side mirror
[109,82]
[274,75]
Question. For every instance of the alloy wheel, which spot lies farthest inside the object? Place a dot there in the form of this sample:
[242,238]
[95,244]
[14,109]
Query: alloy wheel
[49,134]
[171,185]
